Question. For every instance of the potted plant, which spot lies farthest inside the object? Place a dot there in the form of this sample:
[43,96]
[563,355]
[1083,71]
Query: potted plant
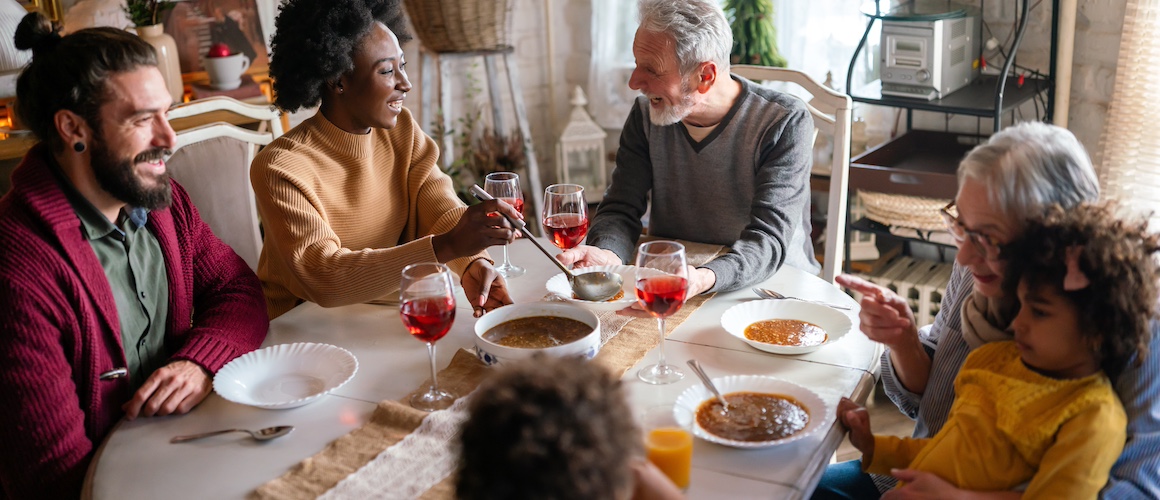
[147,12]
[147,16]
[754,38]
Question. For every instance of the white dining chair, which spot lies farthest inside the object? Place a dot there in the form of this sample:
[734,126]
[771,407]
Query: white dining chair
[832,115]
[212,163]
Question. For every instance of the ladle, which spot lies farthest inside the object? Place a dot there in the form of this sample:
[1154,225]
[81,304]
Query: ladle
[708,383]
[596,286]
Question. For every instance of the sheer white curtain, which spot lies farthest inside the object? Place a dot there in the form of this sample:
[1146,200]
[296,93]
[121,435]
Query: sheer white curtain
[819,36]
[614,25]
[816,37]
[1130,167]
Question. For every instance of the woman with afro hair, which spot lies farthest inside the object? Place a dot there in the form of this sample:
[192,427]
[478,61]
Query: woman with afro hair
[354,194]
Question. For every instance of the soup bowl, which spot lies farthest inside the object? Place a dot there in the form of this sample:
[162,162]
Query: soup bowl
[491,353]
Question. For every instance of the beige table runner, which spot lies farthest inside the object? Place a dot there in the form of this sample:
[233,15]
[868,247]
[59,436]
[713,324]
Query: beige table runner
[393,421]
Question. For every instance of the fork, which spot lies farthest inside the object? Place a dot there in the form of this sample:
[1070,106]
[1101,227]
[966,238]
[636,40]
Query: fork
[766,293]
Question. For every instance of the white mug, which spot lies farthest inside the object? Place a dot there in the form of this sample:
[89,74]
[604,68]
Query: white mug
[225,73]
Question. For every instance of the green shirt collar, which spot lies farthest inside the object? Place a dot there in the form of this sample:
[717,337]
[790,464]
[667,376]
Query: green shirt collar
[94,223]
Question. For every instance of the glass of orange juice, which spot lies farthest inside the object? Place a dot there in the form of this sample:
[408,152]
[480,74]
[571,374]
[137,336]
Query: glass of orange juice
[668,441]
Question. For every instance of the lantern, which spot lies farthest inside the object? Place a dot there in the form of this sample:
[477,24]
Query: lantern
[580,152]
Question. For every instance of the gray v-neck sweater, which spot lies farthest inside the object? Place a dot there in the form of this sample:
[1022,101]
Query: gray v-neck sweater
[745,186]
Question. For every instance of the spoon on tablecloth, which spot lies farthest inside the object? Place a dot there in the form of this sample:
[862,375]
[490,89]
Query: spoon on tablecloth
[596,286]
[261,434]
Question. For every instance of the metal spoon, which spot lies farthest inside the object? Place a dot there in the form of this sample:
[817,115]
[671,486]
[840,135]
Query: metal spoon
[595,286]
[708,383]
[261,434]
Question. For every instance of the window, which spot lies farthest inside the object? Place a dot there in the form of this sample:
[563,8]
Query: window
[815,37]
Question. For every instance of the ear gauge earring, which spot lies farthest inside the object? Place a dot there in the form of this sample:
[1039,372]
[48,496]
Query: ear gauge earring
[79,147]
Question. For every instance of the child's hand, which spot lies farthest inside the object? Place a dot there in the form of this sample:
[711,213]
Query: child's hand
[857,419]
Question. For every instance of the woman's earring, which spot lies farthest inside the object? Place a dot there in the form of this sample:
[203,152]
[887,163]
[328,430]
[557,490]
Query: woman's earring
[79,147]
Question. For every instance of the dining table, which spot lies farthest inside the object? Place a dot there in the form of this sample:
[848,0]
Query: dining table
[137,461]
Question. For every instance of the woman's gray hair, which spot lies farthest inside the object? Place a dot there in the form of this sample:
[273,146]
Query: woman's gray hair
[1028,167]
[698,26]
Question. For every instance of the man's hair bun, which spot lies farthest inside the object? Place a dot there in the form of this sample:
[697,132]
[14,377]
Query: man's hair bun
[36,32]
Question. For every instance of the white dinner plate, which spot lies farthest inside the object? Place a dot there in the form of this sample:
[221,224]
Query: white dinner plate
[286,375]
[821,414]
[559,285]
[834,322]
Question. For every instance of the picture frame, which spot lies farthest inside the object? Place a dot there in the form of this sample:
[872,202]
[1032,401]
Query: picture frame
[195,25]
[50,8]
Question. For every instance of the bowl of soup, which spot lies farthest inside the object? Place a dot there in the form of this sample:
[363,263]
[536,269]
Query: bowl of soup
[519,331]
[785,326]
[763,411]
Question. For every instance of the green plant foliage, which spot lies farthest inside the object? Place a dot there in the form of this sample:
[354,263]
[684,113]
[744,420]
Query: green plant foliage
[147,12]
[754,38]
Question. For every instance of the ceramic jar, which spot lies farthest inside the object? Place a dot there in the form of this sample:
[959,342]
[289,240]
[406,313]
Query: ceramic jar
[167,60]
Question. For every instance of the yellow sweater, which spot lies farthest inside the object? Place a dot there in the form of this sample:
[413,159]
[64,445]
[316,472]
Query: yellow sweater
[344,213]
[1010,425]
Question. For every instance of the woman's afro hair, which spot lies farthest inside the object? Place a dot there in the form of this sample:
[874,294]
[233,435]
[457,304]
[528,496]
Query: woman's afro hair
[314,41]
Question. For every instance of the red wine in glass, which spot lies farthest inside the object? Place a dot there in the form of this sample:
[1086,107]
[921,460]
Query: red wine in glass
[662,296]
[565,215]
[516,203]
[428,309]
[566,230]
[505,186]
[661,286]
[429,318]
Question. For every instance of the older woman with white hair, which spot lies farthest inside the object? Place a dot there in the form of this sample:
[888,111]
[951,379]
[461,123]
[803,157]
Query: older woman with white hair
[1015,175]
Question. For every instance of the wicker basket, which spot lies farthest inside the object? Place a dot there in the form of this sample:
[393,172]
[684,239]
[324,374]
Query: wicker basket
[462,25]
[904,211]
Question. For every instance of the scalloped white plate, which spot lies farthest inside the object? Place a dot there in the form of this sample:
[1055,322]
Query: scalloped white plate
[822,415]
[285,376]
[558,285]
[834,322]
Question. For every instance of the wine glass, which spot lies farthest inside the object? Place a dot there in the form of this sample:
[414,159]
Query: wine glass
[661,285]
[428,309]
[565,215]
[506,186]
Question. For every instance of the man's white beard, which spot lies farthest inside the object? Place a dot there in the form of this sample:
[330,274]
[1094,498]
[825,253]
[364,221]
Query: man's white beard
[673,113]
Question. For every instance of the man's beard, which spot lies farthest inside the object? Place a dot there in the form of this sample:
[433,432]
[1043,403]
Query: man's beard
[673,113]
[118,177]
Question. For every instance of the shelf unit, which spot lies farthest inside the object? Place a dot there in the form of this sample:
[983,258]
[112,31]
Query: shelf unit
[924,163]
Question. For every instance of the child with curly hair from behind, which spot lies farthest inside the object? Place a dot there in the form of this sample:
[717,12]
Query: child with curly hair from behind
[1040,411]
[555,429]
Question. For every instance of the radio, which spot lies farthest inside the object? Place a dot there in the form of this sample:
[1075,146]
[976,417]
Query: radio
[930,59]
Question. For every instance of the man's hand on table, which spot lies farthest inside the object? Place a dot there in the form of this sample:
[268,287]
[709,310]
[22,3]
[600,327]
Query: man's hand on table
[484,287]
[173,389]
[588,256]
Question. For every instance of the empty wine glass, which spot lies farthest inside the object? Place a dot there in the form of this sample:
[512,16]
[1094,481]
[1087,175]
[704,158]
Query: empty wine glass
[506,186]
[565,215]
[661,285]
[428,310]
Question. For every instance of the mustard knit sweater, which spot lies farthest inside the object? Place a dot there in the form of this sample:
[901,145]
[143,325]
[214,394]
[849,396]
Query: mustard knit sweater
[1010,425]
[344,213]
